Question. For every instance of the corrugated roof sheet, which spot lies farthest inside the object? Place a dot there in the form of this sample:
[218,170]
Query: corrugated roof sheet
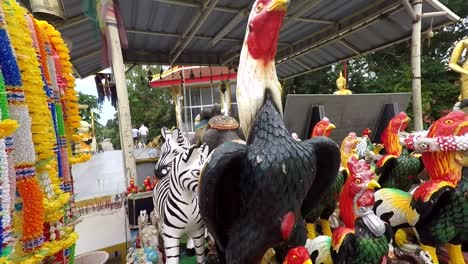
[316,33]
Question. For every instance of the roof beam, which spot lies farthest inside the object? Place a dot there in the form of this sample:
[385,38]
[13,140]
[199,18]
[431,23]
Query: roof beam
[173,35]
[184,41]
[340,34]
[409,9]
[306,6]
[334,26]
[347,58]
[72,22]
[84,57]
[230,26]
[349,46]
[231,10]
[303,65]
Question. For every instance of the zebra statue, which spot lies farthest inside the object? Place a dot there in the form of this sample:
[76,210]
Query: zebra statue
[175,144]
[176,201]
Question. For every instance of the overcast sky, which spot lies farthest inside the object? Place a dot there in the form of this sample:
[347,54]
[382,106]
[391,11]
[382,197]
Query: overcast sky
[88,86]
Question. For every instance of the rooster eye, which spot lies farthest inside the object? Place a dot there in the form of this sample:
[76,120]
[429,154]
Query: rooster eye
[358,181]
[448,122]
[294,258]
[259,8]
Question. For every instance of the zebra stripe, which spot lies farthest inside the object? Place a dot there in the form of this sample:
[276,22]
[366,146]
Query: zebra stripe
[175,144]
[175,199]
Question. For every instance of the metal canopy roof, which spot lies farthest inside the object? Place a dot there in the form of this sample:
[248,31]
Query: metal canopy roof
[315,34]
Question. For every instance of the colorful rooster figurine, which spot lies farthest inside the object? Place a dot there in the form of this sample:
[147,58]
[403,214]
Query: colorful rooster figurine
[298,255]
[365,237]
[438,209]
[328,201]
[323,128]
[397,168]
[348,149]
[364,143]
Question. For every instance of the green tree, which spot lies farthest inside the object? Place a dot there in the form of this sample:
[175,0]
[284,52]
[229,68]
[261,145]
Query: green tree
[93,106]
[150,106]
[389,70]
[111,131]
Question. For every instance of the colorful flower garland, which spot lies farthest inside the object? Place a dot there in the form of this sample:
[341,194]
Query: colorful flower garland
[419,142]
[41,97]
[27,184]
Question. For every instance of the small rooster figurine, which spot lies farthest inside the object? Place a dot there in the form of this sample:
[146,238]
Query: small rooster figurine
[323,128]
[252,196]
[397,168]
[348,149]
[438,208]
[364,238]
[298,255]
[328,201]
[364,143]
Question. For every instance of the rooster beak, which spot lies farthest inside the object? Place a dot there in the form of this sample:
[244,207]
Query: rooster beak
[278,5]
[308,261]
[373,184]
[331,126]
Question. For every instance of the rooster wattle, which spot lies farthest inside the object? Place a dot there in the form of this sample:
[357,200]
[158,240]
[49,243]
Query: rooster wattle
[253,197]
[364,238]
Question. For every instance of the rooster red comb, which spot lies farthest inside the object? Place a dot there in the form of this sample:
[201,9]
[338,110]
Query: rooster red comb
[366,132]
[360,167]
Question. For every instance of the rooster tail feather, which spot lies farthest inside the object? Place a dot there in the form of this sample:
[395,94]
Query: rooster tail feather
[319,249]
[394,207]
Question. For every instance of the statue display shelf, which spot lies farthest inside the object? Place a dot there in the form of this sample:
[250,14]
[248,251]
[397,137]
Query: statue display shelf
[354,112]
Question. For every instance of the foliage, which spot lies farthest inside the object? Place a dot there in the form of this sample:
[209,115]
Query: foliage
[389,70]
[111,131]
[149,106]
[92,102]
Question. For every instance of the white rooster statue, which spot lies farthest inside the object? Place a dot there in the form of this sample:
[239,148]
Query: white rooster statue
[253,197]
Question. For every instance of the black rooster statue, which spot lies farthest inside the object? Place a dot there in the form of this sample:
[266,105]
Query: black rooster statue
[254,197]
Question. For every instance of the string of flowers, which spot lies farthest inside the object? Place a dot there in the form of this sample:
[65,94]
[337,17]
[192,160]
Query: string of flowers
[58,50]
[27,183]
[5,191]
[61,230]
[7,126]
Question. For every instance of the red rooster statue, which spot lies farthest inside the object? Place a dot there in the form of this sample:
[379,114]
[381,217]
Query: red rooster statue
[438,208]
[323,128]
[397,168]
[328,200]
[364,238]
[253,197]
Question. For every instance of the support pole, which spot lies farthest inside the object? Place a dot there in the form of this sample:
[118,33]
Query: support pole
[416,67]
[118,68]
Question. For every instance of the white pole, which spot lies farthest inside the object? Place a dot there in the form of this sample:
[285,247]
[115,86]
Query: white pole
[123,106]
[416,67]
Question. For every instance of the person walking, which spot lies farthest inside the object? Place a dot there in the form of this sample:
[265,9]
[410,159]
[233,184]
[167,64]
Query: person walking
[143,134]
[135,135]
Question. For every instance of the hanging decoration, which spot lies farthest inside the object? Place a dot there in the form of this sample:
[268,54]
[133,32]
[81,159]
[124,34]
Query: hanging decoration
[36,185]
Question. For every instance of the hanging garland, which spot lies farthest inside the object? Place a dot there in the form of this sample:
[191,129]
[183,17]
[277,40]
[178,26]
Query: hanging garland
[27,184]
